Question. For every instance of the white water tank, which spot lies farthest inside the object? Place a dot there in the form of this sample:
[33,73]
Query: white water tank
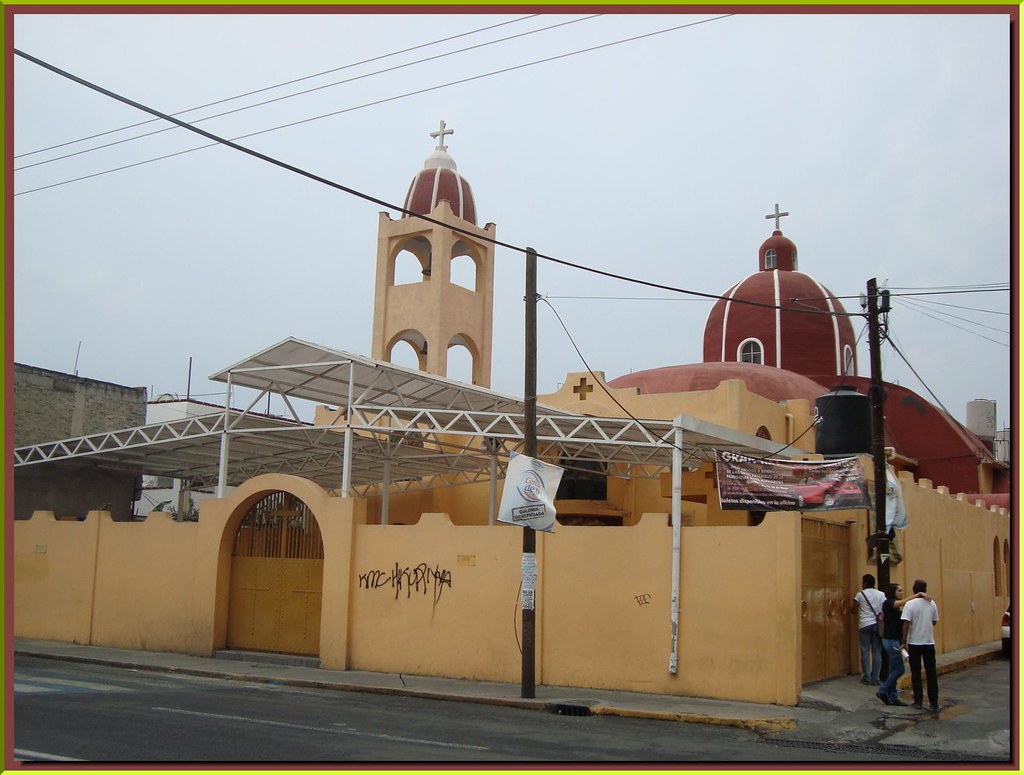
[981,419]
[1001,446]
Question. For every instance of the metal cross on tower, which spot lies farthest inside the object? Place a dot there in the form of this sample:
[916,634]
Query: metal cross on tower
[776,215]
[440,133]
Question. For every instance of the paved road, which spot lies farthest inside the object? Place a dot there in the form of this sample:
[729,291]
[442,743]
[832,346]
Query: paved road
[69,711]
[974,723]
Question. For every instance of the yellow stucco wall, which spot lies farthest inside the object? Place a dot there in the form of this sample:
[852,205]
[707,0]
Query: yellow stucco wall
[442,599]
[54,577]
[435,599]
[606,607]
[949,544]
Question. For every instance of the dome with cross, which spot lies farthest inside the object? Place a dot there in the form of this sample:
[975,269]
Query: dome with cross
[781,317]
[439,180]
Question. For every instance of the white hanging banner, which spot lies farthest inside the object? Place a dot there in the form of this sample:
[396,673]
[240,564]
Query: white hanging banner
[528,497]
[895,510]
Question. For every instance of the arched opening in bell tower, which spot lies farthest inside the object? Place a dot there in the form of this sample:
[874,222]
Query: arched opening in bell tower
[411,262]
[463,360]
[409,349]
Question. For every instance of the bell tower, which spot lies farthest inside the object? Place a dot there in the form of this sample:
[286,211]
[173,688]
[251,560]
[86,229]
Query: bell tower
[432,313]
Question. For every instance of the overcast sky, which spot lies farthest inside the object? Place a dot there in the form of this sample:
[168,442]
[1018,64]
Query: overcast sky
[886,138]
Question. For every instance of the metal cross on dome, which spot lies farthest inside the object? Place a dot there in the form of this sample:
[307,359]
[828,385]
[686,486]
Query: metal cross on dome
[440,133]
[776,215]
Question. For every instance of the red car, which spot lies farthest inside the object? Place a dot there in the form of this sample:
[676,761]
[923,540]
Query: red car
[817,493]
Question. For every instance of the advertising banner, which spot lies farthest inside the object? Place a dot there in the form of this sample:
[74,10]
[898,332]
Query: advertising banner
[528,497]
[751,484]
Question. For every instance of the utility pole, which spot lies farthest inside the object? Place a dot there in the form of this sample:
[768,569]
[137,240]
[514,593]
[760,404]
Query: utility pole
[880,539]
[529,681]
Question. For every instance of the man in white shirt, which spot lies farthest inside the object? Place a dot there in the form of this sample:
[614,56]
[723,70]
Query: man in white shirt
[919,618]
[867,604]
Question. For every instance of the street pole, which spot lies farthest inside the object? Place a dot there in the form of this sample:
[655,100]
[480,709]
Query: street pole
[881,537]
[529,681]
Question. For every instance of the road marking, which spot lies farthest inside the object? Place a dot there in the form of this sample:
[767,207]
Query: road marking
[42,684]
[329,730]
[35,756]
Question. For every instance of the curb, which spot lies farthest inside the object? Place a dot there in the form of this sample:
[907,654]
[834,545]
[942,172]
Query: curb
[951,667]
[759,725]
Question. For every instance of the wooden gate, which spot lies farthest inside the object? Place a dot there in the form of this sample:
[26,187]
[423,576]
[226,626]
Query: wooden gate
[277,568]
[825,604]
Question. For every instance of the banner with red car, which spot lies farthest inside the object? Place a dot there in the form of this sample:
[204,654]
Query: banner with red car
[753,484]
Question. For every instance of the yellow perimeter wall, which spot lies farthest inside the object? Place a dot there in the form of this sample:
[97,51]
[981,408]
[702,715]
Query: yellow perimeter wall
[440,599]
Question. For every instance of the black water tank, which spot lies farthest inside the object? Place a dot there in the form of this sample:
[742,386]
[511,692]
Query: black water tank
[845,424]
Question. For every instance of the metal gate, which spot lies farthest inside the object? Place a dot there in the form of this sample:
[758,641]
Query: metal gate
[825,604]
[277,568]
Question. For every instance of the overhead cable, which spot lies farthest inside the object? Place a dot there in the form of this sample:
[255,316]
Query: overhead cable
[294,94]
[367,197]
[954,325]
[982,451]
[917,305]
[356,107]
[279,85]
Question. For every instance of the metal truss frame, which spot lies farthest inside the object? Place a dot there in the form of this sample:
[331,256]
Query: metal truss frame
[403,430]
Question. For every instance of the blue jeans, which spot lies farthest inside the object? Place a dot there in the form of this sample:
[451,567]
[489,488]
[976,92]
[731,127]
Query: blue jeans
[870,653]
[896,669]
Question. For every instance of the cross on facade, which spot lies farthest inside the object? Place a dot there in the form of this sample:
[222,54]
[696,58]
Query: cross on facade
[440,133]
[582,389]
[776,215]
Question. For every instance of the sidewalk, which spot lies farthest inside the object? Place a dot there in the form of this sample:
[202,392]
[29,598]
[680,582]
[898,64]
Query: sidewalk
[837,694]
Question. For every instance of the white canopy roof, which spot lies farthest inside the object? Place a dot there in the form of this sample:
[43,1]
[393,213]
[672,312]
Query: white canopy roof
[403,427]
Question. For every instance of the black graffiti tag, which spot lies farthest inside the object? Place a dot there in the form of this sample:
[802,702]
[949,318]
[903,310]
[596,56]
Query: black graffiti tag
[643,599]
[420,578]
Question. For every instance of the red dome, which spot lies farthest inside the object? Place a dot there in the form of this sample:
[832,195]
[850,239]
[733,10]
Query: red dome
[781,317]
[772,383]
[439,180]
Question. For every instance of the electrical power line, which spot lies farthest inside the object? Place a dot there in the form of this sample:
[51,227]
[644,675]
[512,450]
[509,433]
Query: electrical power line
[954,325]
[331,114]
[295,94]
[961,306]
[217,140]
[985,288]
[981,452]
[917,305]
[279,85]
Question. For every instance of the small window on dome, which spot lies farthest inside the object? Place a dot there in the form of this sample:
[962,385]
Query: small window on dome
[848,367]
[769,258]
[794,260]
[751,351]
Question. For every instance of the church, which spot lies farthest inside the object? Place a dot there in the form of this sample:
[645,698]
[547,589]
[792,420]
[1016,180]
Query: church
[367,540]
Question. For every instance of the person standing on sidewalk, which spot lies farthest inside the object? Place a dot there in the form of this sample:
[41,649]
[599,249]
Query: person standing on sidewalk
[919,618]
[892,637]
[867,604]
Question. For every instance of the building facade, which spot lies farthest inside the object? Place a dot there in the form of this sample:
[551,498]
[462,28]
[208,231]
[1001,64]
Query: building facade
[422,581]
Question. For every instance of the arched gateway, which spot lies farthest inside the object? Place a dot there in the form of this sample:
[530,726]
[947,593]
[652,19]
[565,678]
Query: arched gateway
[277,568]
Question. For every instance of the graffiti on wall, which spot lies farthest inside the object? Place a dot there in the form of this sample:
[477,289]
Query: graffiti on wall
[421,579]
[644,599]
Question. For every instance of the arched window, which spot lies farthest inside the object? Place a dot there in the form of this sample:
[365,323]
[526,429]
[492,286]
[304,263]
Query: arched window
[997,566]
[750,351]
[794,260]
[763,433]
[848,364]
[769,258]
[1006,566]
